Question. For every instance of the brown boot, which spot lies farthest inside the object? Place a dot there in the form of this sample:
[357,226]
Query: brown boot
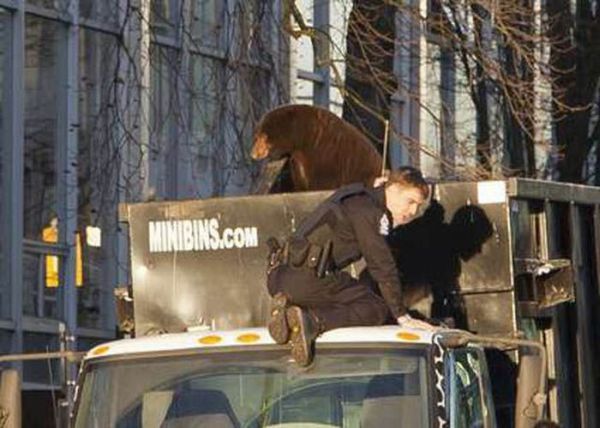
[304,331]
[278,325]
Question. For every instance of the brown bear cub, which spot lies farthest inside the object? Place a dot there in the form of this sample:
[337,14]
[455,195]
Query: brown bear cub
[325,152]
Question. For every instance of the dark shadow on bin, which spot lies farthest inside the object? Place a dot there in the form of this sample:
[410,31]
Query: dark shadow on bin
[430,252]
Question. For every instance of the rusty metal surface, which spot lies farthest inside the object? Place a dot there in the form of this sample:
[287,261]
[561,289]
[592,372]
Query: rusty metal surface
[491,313]
[553,191]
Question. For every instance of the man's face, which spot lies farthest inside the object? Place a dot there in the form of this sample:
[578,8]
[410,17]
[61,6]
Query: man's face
[403,203]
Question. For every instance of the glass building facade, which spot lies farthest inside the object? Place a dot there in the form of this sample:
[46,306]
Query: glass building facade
[104,102]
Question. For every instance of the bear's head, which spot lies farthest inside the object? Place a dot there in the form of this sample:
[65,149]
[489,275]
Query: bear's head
[275,136]
[261,147]
[270,147]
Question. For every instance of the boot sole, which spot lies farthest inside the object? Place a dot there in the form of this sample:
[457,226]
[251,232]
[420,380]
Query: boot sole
[278,325]
[302,348]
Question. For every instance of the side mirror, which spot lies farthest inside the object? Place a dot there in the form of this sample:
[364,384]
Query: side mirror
[10,399]
[530,399]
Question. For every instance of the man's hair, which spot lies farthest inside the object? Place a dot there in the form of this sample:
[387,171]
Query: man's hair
[407,176]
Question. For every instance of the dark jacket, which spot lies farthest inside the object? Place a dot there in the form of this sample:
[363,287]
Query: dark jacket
[360,231]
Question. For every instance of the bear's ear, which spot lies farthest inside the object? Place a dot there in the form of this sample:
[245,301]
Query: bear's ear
[261,147]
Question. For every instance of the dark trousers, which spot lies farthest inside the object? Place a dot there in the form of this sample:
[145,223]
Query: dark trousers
[338,300]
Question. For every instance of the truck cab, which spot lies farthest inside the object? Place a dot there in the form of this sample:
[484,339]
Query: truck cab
[362,377]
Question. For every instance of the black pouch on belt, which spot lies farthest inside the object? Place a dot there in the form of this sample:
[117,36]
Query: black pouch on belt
[298,251]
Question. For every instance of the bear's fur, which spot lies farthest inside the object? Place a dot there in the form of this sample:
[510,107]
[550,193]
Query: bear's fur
[325,152]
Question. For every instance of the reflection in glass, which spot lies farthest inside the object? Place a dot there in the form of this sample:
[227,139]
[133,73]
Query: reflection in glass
[164,17]
[57,5]
[350,388]
[206,74]
[255,28]
[164,67]
[39,179]
[208,22]
[41,82]
[254,94]
[205,126]
[97,167]
[106,11]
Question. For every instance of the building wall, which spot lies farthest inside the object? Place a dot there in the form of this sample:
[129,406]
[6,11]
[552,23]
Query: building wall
[113,101]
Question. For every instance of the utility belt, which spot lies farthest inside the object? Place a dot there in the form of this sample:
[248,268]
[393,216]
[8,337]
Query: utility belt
[300,253]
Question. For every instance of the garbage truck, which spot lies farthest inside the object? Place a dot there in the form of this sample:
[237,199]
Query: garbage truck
[510,265]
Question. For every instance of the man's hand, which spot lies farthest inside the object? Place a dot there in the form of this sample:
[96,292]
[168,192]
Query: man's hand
[410,322]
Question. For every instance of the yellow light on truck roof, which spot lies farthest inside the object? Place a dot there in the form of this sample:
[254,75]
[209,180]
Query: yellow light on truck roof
[405,335]
[100,350]
[210,340]
[248,338]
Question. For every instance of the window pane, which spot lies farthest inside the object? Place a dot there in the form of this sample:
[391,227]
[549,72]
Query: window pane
[255,28]
[58,5]
[255,100]
[344,388]
[40,273]
[41,371]
[41,81]
[205,127]
[105,11]
[164,65]
[164,17]
[206,73]
[97,167]
[208,22]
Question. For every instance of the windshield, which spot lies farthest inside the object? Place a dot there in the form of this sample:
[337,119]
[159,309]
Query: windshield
[378,387]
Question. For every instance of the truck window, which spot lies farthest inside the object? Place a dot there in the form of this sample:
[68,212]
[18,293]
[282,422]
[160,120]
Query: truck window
[375,388]
[471,405]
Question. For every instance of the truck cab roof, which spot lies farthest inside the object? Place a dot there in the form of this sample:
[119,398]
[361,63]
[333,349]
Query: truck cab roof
[209,339]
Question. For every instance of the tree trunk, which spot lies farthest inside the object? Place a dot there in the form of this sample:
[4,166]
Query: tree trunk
[576,68]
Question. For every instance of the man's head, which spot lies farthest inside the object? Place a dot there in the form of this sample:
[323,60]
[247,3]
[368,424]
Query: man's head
[405,191]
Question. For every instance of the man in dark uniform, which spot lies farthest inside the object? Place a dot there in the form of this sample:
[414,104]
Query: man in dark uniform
[311,293]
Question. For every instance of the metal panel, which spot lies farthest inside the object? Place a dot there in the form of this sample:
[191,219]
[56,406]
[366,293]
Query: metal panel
[209,283]
[401,115]
[12,148]
[462,247]
[66,172]
[554,191]
[66,161]
[597,249]
[486,259]
[491,313]
[563,407]
[566,371]
[584,304]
